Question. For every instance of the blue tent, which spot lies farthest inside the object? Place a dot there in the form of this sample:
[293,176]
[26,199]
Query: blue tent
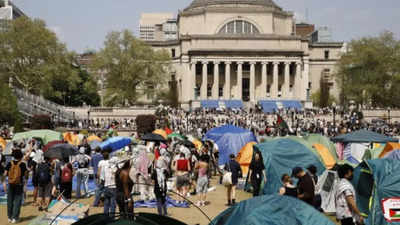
[230,139]
[115,143]
[271,210]
[363,136]
[281,156]
[375,180]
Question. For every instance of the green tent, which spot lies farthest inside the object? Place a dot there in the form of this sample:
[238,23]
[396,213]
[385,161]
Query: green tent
[319,139]
[280,156]
[140,219]
[363,136]
[306,144]
[374,181]
[373,153]
[271,210]
[45,135]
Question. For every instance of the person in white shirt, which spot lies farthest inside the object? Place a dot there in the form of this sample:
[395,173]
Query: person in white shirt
[109,171]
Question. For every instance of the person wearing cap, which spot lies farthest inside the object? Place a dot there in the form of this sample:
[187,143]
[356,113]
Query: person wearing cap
[305,185]
[82,175]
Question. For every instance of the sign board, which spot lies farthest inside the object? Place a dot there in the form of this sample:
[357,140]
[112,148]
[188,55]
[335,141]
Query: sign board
[391,209]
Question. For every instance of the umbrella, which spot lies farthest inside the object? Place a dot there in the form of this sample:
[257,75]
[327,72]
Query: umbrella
[52,143]
[60,151]
[94,144]
[163,133]
[176,135]
[140,219]
[168,131]
[116,143]
[45,135]
[3,143]
[187,143]
[94,138]
[152,137]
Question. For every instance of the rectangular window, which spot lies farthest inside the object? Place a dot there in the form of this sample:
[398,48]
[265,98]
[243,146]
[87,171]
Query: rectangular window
[221,91]
[209,90]
[197,92]
[327,54]
[309,85]
[173,53]
[230,28]
[239,27]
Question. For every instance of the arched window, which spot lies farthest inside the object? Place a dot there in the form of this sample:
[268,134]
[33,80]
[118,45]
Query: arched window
[239,27]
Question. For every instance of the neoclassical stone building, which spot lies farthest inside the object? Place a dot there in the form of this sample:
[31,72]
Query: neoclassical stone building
[246,50]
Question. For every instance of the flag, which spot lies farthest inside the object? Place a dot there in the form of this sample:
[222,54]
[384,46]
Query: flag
[281,123]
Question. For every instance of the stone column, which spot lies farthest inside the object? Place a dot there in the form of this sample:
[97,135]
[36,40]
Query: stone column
[306,74]
[275,82]
[286,87]
[215,91]
[252,81]
[264,80]
[239,80]
[227,88]
[298,87]
[203,89]
[192,80]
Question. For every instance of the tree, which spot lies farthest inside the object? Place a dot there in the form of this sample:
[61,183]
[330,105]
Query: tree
[32,56]
[369,73]
[131,67]
[145,124]
[316,99]
[324,93]
[9,113]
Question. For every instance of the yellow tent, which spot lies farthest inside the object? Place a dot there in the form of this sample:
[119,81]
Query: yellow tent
[71,138]
[163,133]
[245,156]
[390,146]
[94,138]
[327,158]
[3,143]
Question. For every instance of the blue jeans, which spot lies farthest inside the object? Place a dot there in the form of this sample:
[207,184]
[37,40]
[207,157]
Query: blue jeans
[14,202]
[161,207]
[109,200]
[82,177]
[99,191]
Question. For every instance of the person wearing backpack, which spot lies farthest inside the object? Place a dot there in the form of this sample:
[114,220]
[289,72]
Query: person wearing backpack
[67,173]
[16,170]
[82,174]
[43,177]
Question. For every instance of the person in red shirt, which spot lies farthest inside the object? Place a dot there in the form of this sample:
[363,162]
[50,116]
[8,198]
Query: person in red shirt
[182,168]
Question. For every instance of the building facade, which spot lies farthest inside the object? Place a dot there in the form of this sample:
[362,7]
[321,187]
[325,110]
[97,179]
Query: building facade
[8,11]
[158,27]
[246,50]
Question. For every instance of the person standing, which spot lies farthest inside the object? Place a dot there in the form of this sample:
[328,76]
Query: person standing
[43,177]
[2,170]
[67,173]
[109,186]
[82,174]
[257,173]
[159,176]
[182,168]
[202,180]
[96,158]
[233,167]
[345,198]
[288,188]
[305,186]
[17,171]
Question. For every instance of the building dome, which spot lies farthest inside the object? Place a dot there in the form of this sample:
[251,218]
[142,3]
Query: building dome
[205,3]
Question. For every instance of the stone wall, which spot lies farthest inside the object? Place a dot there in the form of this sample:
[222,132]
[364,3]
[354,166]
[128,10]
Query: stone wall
[110,113]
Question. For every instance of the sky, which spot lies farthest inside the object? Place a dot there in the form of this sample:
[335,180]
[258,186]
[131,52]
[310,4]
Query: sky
[84,24]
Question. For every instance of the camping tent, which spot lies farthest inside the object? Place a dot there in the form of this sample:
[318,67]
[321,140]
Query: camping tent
[323,140]
[363,136]
[326,187]
[229,139]
[280,156]
[390,146]
[375,181]
[45,135]
[245,156]
[373,153]
[327,158]
[140,219]
[271,209]
[395,154]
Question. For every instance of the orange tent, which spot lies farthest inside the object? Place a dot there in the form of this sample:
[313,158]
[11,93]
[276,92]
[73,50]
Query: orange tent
[71,138]
[245,156]
[3,143]
[390,146]
[327,158]
[163,133]
[94,138]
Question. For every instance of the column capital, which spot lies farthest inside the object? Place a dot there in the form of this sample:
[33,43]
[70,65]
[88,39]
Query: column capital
[287,62]
[239,63]
[298,62]
[252,62]
[264,63]
[216,62]
[204,62]
[193,62]
[275,62]
[227,62]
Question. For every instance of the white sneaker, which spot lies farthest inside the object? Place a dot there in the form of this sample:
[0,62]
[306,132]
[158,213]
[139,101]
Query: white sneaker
[14,221]
[9,220]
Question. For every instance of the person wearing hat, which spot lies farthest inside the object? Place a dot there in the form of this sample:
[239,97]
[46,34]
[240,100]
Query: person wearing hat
[305,185]
[82,174]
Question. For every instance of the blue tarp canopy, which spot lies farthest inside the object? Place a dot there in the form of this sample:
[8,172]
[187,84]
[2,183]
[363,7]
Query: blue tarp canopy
[268,106]
[233,104]
[375,180]
[280,156]
[209,104]
[363,136]
[230,139]
[115,143]
[292,104]
[271,210]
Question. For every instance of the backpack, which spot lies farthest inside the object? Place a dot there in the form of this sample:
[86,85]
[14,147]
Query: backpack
[43,174]
[14,176]
[66,174]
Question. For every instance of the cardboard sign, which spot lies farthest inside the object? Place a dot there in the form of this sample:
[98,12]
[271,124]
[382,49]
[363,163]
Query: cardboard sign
[391,209]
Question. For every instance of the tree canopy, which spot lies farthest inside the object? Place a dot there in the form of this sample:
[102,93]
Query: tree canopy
[369,73]
[132,68]
[9,110]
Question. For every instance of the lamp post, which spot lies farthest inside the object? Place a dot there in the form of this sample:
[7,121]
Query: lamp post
[388,115]
[88,117]
[334,114]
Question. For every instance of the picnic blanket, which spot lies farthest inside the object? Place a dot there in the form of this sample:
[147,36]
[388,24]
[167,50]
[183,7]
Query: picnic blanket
[153,204]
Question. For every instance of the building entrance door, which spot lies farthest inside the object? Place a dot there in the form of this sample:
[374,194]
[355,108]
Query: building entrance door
[246,89]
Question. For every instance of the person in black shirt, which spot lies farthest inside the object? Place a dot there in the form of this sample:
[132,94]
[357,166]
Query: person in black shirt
[236,171]
[305,186]
[16,170]
[257,173]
